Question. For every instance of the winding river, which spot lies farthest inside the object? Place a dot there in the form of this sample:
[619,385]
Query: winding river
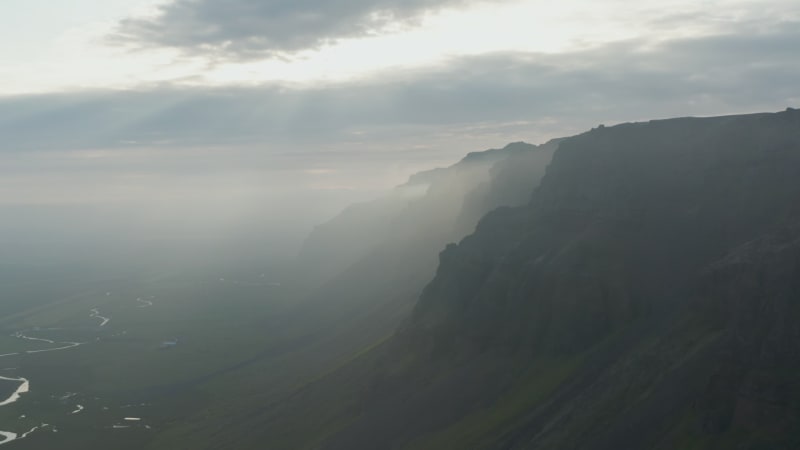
[25,385]
[10,437]
[23,388]
[95,313]
[144,303]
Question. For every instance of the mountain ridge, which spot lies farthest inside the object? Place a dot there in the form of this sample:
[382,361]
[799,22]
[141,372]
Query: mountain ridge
[623,223]
[645,297]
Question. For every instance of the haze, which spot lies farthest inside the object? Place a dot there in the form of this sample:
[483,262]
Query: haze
[399,224]
[169,129]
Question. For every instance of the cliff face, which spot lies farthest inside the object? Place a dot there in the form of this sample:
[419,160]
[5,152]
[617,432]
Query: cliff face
[719,373]
[433,208]
[623,218]
[645,297]
[754,296]
[371,262]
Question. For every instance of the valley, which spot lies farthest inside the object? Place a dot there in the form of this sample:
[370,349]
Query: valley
[92,367]
[571,295]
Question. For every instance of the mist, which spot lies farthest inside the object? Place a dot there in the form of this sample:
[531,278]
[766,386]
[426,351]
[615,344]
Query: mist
[399,224]
[166,172]
[138,207]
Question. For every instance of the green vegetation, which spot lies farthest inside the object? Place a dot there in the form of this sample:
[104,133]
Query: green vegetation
[477,430]
[616,309]
[120,370]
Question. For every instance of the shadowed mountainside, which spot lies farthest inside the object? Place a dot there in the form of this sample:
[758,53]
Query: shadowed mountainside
[431,209]
[359,277]
[645,298]
[372,261]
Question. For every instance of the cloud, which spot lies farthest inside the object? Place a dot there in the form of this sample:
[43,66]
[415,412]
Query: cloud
[211,156]
[244,29]
[505,96]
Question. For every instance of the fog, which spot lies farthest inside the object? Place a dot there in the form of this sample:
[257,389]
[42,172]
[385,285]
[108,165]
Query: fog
[406,224]
[178,172]
[134,207]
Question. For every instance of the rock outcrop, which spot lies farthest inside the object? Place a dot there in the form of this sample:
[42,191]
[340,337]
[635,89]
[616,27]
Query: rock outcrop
[646,297]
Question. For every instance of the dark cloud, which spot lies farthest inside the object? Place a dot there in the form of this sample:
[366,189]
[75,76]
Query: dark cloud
[244,29]
[167,159]
[507,94]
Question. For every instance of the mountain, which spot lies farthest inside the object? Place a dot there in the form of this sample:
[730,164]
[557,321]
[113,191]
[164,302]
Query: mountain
[361,273]
[359,276]
[371,262]
[433,208]
[647,296]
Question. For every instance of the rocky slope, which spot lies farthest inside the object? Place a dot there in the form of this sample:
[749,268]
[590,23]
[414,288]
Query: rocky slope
[431,209]
[360,275]
[372,261]
[646,297]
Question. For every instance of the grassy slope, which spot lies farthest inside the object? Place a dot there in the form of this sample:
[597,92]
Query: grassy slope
[475,431]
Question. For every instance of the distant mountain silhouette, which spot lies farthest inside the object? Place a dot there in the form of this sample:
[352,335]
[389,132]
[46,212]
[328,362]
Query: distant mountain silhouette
[431,209]
[371,262]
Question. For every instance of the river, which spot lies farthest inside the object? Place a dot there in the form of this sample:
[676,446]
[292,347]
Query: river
[25,385]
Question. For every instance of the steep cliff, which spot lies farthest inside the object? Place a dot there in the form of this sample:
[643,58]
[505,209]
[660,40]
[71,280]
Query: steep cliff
[645,297]
[639,300]
[431,209]
[372,261]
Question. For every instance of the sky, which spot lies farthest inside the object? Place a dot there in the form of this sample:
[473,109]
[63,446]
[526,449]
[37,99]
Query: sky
[203,118]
